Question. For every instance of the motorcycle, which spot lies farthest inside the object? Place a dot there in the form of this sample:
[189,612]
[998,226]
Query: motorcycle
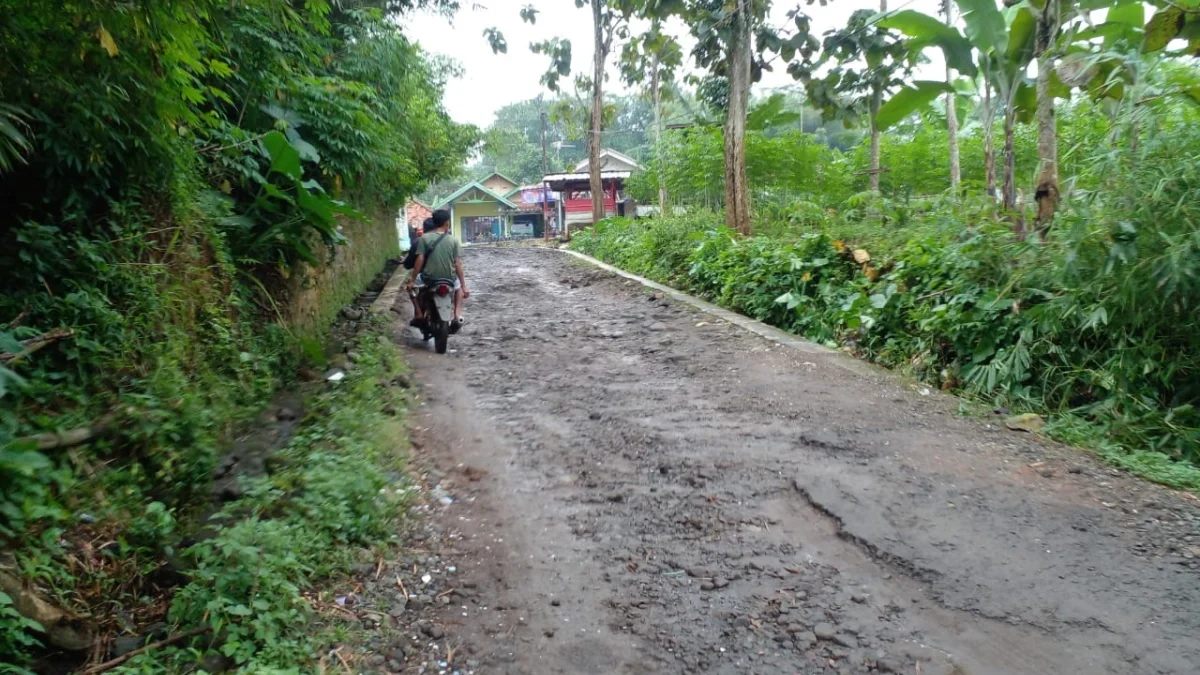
[436,300]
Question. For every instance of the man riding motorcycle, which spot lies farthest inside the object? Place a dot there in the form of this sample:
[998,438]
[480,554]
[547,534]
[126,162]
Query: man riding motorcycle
[439,256]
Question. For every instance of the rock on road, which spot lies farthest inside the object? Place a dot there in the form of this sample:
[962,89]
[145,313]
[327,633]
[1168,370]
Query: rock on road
[643,488]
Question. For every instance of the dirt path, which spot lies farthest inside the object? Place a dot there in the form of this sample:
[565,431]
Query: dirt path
[641,488]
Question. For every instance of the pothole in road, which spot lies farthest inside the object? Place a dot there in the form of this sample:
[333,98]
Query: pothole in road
[868,592]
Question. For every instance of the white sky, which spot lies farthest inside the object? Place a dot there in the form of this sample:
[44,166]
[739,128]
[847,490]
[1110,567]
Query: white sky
[491,81]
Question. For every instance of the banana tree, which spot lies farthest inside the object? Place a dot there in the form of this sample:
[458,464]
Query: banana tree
[922,32]
[999,47]
[1173,19]
[1004,41]
[951,113]
[1122,62]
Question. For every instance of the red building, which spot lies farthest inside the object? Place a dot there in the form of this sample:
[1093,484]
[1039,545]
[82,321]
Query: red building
[575,193]
[415,213]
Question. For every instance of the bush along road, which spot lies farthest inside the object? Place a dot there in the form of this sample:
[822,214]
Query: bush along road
[620,483]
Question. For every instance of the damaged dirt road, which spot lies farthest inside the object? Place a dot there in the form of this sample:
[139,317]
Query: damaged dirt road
[639,487]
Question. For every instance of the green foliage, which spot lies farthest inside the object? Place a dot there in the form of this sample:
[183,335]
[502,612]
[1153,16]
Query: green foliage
[172,173]
[329,498]
[512,145]
[782,164]
[332,496]
[911,98]
[29,481]
[15,635]
[869,61]
[13,143]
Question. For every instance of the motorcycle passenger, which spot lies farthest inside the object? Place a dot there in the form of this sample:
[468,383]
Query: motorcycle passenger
[410,261]
[439,256]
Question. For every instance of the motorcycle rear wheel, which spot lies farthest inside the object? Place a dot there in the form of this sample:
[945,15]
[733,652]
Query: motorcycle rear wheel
[441,336]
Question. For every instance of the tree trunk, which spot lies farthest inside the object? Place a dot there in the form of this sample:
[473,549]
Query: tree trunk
[1009,202]
[656,92]
[989,140]
[952,117]
[596,185]
[737,193]
[1046,184]
[876,101]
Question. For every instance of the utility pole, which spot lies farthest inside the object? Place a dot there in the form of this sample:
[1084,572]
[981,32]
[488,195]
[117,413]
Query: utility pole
[658,133]
[544,192]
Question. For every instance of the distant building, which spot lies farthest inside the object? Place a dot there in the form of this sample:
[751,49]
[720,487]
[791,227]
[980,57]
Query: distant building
[415,212]
[495,207]
[575,203]
[611,160]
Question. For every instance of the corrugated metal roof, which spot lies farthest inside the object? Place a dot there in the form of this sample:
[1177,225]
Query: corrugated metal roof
[584,176]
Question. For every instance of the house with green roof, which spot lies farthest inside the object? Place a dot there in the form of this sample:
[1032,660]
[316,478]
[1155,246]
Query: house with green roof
[492,208]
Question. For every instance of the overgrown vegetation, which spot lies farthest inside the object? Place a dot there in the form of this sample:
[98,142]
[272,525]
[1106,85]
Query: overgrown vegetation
[332,492]
[178,177]
[1096,325]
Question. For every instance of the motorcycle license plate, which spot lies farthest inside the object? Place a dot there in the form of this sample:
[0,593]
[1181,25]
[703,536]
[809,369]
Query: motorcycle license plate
[445,306]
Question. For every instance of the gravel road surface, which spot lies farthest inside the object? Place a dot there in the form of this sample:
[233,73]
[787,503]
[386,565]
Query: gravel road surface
[638,487]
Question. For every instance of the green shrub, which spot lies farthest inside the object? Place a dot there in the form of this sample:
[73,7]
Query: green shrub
[167,170]
[305,522]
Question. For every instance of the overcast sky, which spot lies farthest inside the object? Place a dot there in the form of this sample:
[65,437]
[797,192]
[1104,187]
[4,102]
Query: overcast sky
[492,80]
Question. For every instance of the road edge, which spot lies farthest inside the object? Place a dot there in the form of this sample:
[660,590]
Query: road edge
[391,290]
[767,332]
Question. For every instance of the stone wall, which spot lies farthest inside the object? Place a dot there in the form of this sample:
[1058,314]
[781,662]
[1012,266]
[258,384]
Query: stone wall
[315,295]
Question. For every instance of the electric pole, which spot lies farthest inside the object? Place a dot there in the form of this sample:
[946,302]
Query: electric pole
[544,192]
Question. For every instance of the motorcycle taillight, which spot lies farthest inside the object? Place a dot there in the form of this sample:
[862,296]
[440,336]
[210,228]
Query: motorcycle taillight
[443,290]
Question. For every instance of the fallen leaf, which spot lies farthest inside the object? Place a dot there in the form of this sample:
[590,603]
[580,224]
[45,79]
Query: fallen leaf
[1031,422]
[106,41]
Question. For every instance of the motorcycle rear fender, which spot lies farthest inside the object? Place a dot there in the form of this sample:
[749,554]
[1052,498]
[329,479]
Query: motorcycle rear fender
[444,305]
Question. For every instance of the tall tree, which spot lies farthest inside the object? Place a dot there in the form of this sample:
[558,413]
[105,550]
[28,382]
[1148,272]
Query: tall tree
[988,111]
[738,58]
[734,44]
[608,24]
[873,116]
[1052,17]
[653,55]
[601,46]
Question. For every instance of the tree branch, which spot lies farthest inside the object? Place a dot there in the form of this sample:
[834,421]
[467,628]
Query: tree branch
[109,665]
[54,440]
[34,344]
